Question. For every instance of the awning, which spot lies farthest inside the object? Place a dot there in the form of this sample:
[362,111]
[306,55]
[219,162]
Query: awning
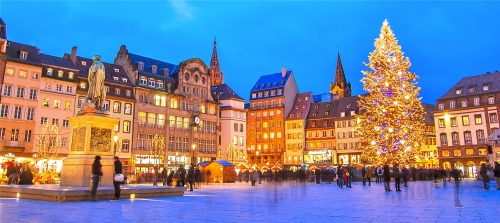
[495,136]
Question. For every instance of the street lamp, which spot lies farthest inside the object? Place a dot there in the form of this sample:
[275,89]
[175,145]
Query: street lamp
[194,147]
[176,157]
[257,158]
[115,138]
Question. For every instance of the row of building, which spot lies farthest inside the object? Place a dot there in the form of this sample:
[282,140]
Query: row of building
[201,118]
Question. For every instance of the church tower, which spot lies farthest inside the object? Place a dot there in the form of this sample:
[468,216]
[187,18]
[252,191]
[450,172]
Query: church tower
[216,77]
[340,86]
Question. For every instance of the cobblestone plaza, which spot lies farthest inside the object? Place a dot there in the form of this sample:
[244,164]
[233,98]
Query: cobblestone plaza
[278,202]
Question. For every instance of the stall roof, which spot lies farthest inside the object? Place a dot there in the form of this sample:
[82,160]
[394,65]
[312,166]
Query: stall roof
[205,163]
[224,162]
[495,136]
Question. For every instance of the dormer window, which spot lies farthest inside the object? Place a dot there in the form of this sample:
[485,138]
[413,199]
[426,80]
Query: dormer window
[83,85]
[472,89]
[49,72]
[326,113]
[458,91]
[153,69]
[23,55]
[143,81]
[166,71]
[327,105]
[307,98]
[349,105]
[71,75]
[159,84]
[140,66]
[300,98]
[342,114]
[84,63]
[60,74]
[124,79]
[151,82]
[115,78]
[117,70]
[352,113]
[314,114]
[296,107]
[316,106]
[486,87]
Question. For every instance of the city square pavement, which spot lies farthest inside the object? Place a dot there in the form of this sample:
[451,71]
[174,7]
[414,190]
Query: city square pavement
[278,202]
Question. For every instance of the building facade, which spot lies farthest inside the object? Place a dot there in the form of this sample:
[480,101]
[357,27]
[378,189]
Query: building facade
[271,100]
[464,116]
[295,130]
[320,134]
[19,101]
[348,143]
[428,158]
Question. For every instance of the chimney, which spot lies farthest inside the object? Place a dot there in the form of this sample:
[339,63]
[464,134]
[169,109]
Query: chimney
[336,97]
[283,72]
[39,51]
[73,55]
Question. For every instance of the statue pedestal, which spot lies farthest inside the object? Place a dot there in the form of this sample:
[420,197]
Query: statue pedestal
[91,135]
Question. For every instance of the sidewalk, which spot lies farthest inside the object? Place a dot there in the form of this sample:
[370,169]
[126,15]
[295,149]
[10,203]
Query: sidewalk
[278,202]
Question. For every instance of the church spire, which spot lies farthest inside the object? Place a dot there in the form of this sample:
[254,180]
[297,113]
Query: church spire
[216,75]
[340,85]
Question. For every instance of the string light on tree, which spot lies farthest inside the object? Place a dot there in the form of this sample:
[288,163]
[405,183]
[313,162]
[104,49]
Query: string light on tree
[391,124]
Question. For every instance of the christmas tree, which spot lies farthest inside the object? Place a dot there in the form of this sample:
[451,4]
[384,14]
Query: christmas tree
[391,123]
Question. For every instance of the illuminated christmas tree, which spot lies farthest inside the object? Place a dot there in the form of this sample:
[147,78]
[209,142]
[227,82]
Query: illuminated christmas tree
[392,122]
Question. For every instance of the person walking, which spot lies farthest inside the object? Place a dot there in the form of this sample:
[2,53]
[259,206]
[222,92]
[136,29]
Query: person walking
[197,176]
[456,176]
[496,173]
[208,176]
[406,176]
[369,172]
[190,176]
[397,176]
[363,175]
[484,175]
[164,176]
[437,176]
[379,174]
[11,173]
[116,184]
[340,177]
[387,177]
[182,175]
[155,175]
[96,174]
[254,176]
[317,172]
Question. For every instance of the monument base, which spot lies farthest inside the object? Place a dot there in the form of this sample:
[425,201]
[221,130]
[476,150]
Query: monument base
[77,171]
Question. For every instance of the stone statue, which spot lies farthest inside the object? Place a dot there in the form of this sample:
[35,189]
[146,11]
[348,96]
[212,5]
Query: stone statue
[97,75]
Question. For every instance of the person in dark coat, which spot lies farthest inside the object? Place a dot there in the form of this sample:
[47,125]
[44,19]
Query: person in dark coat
[26,177]
[11,173]
[169,178]
[197,177]
[397,176]
[190,176]
[456,176]
[182,175]
[164,175]
[437,176]
[484,175]
[340,177]
[363,175]
[387,177]
[208,176]
[406,176]
[116,184]
[414,173]
[96,174]
[496,173]
[318,175]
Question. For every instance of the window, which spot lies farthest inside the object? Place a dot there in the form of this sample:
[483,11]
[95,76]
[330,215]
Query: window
[125,146]
[453,121]
[143,81]
[476,101]
[69,89]
[469,151]
[443,139]
[9,71]
[23,74]
[458,91]
[14,136]
[445,152]
[486,87]
[128,93]
[20,92]
[6,90]
[59,87]
[48,86]
[454,138]
[480,136]
[27,136]
[71,75]
[151,119]
[60,74]
[482,151]
[203,109]
[441,123]
[117,107]
[35,76]
[43,120]
[452,104]
[142,118]
[464,103]
[33,93]
[478,119]
[30,115]
[465,120]
[65,123]
[67,105]
[173,103]
[491,100]
[468,137]
[106,106]
[83,85]
[128,109]
[159,83]
[161,121]
[126,126]
[457,152]
[493,118]
[23,55]
[124,79]
[117,91]
[151,82]
[117,127]
[57,104]
[55,121]
[17,112]
[115,78]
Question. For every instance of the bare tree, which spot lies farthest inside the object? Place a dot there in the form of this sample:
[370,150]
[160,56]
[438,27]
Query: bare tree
[49,143]
[157,152]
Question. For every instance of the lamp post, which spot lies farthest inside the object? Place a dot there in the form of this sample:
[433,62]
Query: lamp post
[257,158]
[194,147]
[176,157]
[115,138]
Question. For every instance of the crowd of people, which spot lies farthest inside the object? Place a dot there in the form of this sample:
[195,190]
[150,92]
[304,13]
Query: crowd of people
[19,174]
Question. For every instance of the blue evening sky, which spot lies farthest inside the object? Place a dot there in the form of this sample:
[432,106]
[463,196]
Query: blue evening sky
[445,40]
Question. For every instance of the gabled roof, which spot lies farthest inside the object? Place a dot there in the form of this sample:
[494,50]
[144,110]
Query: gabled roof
[111,73]
[13,50]
[57,61]
[223,162]
[492,80]
[301,106]
[320,110]
[346,105]
[205,163]
[428,115]
[225,92]
[271,81]
[148,65]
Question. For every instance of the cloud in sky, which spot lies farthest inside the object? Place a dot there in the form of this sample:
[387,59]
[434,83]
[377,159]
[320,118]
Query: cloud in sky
[183,10]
